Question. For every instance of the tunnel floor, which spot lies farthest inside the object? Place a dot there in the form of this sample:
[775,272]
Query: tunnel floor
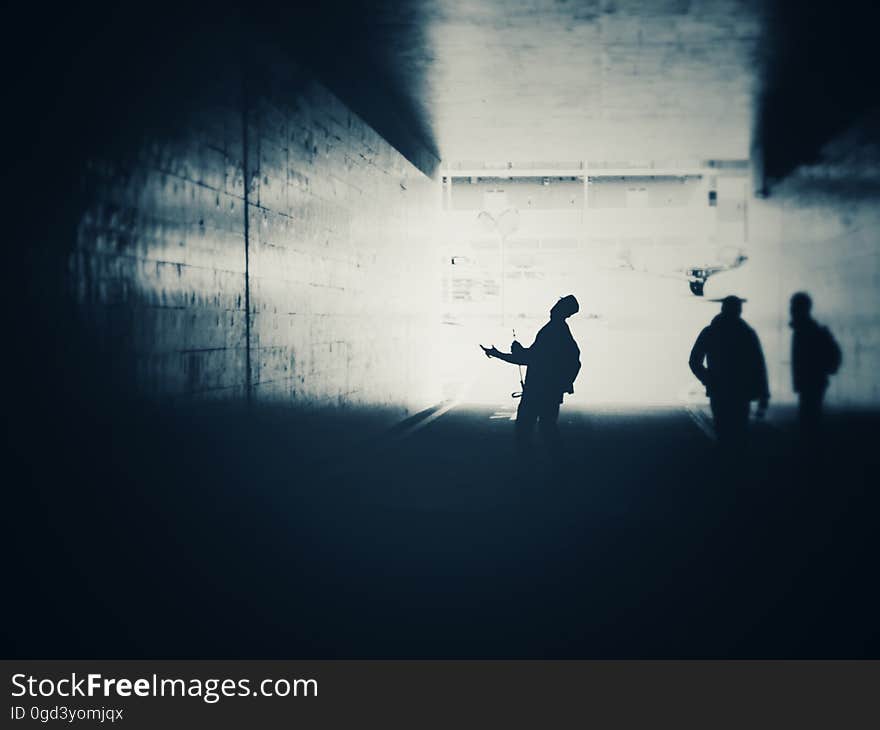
[295,542]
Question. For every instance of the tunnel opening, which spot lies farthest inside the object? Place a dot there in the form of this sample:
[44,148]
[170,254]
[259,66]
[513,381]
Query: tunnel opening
[626,242]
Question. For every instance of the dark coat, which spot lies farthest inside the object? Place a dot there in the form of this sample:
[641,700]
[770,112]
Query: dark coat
[814,356]
[735,369]
[553,363]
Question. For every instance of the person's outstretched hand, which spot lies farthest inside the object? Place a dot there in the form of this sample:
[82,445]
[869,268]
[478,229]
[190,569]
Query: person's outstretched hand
[490,351]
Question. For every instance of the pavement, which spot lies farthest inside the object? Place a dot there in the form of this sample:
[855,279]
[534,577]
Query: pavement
[435,541]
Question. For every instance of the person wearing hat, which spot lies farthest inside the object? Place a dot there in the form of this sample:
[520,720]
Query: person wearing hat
[727,359]
[553,362]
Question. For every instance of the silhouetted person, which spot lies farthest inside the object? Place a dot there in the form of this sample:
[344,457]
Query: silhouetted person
[553,362]
[734,374]
[814,356]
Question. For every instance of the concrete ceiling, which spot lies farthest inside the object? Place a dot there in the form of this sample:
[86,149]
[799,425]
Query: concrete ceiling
[566,80]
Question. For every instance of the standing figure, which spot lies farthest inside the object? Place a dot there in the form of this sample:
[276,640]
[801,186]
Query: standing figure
[814,356]
[553,362]
[734,374]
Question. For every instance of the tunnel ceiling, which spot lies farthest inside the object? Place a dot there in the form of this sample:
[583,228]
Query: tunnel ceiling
[534,81]
[551,80]
[496,81]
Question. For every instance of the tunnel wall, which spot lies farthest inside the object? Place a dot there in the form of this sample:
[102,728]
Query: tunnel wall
[827,245]
[320,294]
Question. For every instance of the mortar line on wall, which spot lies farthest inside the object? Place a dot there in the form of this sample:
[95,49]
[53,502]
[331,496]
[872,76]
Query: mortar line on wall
[247,273]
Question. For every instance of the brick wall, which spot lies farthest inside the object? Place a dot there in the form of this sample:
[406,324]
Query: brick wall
[267,192]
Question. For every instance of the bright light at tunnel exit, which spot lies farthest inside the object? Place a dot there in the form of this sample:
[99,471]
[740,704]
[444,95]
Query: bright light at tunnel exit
[625,247]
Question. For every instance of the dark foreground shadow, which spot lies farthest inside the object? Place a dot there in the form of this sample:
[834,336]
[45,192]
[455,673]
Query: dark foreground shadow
[214,532]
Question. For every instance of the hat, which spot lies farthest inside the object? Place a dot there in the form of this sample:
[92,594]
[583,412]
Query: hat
[730,304]
[731,298]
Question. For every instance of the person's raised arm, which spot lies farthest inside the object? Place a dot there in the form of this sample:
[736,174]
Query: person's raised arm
[517,356]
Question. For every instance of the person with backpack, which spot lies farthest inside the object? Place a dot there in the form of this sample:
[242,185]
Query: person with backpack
[815,355]
[552,362]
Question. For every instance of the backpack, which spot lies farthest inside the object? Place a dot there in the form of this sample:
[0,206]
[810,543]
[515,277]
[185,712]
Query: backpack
[831,355]
[574,368]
